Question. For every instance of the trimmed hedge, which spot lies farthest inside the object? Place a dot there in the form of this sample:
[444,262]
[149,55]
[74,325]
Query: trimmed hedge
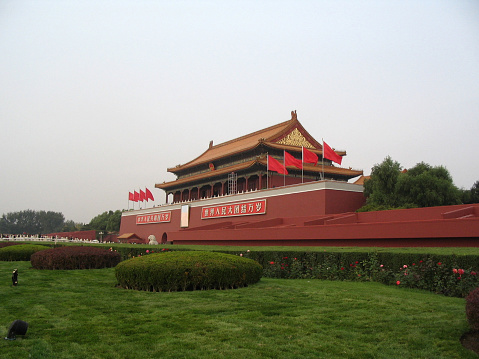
[472,309]
[187,270]
[74,257]
[20,252]
[8,244]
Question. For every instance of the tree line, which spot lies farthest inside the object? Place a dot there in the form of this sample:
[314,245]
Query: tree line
[44,222]
[391,186]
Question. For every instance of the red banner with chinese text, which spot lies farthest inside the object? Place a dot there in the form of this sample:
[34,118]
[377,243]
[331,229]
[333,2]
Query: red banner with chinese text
[234,209]
[160,217]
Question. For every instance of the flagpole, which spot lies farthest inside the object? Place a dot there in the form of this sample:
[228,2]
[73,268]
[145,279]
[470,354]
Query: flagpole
[267,170]
[322,159]
[302,164]
[146,199]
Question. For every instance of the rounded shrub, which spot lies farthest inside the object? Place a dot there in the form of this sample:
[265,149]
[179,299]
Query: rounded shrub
[21,252]
[187,270]
[75,257]
[472,309]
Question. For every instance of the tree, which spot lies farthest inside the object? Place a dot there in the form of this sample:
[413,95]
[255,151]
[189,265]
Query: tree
[427,186]
[31,222]
[421,186]
[380,189]
[70,226]
[471,195]
[106,222]
[51,222]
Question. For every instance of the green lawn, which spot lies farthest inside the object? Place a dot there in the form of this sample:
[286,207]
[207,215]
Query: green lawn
[81,314]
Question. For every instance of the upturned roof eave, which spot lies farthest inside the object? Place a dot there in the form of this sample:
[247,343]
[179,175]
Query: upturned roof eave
[282,127]
[257,144]
[344,172]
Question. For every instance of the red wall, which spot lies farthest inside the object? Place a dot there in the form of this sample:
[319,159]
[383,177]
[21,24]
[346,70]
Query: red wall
[399,228]
[290,204]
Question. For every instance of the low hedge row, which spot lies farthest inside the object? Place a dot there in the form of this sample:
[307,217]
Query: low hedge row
[8,244]
[75,257]
[20,252]
[187,270]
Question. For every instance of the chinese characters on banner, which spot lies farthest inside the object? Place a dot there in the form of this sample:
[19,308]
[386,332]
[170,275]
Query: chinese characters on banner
[234,209]
[159,217]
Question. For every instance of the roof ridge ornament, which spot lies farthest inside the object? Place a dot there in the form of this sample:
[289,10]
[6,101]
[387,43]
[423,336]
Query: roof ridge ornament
[294,116]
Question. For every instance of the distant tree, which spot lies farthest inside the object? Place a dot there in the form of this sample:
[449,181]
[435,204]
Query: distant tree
[70,226]
[114,222]
[471,195]
[427,186]
[380,189]
[51,222]
[421,186]
[475,192]
[31,222]
[106,222]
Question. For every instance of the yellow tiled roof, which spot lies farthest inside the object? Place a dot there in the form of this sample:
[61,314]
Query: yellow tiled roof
[240,144]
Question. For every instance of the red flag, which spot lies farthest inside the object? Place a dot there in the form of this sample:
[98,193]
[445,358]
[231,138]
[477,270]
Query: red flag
[149,195]
[289,160]
[329,153]
[131,197]
[309,157]
[142,196]
[136,196]
[275,165]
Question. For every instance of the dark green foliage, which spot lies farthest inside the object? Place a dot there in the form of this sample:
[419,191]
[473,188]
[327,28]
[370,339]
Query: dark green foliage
[421,186]
[21,252]
[472,309]
[31,222]
[380,189]
[74,257]
[187,270]
[70,226]
[471,195]
[427,186]
[106,222]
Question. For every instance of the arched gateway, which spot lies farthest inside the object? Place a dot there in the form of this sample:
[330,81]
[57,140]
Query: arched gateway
[235,183]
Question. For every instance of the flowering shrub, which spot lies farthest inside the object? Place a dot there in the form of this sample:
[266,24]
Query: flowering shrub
[447,275]
[75,257]
[192,270]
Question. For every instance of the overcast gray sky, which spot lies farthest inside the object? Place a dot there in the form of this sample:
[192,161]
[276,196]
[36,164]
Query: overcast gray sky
[99,98]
